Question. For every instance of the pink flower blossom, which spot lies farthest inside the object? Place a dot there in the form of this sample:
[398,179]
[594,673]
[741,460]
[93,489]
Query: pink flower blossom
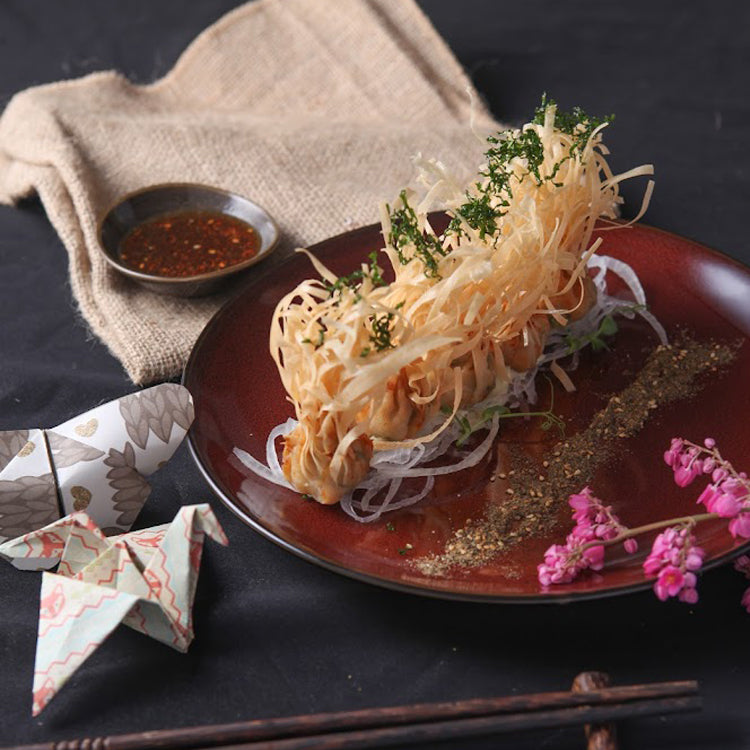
[742,564]
[708,497]
[684,475]
[669,583]
[688,595]
[561,565]
[737,487]
[694,559]
[740,526]
[674,559]
[672,456]
[594,557]
[581,504]
[726,505]
[652,565]
[688,461]
[729,497]
[719,474]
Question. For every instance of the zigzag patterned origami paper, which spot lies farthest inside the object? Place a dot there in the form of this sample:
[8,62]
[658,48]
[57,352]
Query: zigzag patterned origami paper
[144,579]
[97,461]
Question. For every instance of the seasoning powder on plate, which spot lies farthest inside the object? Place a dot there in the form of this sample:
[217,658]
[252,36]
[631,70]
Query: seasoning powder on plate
[670,373]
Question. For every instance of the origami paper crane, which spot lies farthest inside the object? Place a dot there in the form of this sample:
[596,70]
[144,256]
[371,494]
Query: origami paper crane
[97,462]
[144,579]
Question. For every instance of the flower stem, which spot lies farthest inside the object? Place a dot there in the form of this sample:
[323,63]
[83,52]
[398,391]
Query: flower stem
[655,526]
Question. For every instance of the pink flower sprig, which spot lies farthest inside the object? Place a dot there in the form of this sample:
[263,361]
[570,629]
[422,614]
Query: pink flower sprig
[583,549]
[675,558]
[728,493]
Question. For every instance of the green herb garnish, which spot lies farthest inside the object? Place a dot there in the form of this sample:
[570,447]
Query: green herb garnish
[321,337]
[485,207]
[353,281]
[381,331]
[405,231]
[575,123]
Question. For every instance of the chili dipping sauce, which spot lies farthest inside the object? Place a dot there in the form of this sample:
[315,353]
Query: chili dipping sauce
[188,243]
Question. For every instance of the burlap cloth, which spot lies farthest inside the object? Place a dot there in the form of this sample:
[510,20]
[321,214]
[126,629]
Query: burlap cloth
[312,108]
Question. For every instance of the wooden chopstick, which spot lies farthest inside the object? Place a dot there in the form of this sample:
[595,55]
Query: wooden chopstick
[380,727]
[413,734]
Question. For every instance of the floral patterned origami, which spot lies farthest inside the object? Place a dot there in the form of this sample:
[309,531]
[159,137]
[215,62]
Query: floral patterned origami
[97,462]
[144,579]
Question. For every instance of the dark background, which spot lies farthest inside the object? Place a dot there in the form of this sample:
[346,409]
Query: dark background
[276,635]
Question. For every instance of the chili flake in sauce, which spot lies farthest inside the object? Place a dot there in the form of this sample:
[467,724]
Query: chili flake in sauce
[188,243]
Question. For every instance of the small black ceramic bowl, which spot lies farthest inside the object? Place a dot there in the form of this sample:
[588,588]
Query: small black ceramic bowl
[142,207]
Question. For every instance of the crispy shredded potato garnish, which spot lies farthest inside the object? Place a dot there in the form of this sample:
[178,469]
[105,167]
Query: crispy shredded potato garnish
[371,365]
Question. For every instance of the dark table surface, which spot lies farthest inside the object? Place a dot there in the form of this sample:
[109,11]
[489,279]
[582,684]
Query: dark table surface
[276,635]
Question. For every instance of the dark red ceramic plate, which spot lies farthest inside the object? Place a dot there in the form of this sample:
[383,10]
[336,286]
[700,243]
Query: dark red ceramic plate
[239,398]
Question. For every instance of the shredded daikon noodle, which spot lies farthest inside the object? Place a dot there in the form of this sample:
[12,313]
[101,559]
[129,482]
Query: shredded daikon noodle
[378,373]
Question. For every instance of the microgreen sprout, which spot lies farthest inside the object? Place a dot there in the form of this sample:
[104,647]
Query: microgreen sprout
[468,428]
[501,411]
[595,339]
[607,327]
